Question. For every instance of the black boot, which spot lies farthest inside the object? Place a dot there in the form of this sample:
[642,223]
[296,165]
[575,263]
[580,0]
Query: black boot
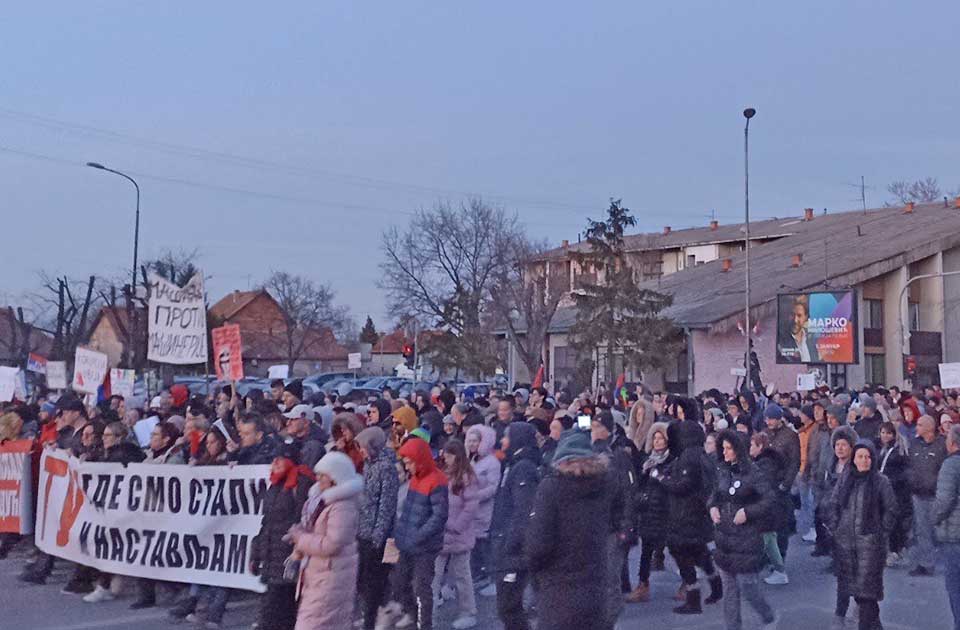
[184,608]
[716,590]
[692,607]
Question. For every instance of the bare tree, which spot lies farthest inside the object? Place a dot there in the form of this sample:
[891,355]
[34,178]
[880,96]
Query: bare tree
[920,191]
[22,337]
[442,266]
[525,299]
[69,304]
[307,312]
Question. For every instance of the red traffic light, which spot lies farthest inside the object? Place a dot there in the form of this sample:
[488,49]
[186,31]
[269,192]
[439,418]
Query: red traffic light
[407,350]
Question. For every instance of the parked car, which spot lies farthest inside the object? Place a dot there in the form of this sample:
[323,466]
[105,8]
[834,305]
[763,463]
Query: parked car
[321,378]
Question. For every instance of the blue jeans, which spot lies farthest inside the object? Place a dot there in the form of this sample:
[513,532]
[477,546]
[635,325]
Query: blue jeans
[950,552]
[215,598]
[807,505]
[924,553]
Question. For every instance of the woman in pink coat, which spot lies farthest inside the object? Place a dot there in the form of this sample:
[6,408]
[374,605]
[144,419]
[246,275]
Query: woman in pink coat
[326,545]
[459,535]
[480,442]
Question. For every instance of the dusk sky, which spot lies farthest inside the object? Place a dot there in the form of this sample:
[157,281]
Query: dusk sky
[288,135]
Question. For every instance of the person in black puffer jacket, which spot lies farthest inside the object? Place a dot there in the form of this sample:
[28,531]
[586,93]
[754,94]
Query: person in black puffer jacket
[689,484]
[740,509]
[511,515]
[653,510]
[282,504]
[864,511]
[571,511]
[772,466]
[894,456]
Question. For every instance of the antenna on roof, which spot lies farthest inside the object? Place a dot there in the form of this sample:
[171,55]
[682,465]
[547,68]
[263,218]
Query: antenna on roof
[863,194]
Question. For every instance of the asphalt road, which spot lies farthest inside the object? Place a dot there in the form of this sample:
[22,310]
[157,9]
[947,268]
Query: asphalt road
[805,604]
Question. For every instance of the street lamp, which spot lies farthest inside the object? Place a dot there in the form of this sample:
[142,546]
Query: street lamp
[748,113]
[136,245]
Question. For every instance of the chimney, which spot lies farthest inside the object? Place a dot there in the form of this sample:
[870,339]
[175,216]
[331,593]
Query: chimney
[714,225]
[808,214]
[565,243]
[666,230]
[796,260]
[727,264]
[908,209]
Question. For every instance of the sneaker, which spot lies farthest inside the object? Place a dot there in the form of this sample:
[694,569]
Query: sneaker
[810,536]
[920,571]
[77,588]
[777,578]
[194,618]
[406,621]
[385,616]
[465,621]
[98,595]
[184,608]
[490,590]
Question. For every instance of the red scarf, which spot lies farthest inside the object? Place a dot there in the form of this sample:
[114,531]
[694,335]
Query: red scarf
[289,473]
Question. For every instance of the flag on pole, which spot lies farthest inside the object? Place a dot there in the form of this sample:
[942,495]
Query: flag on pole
[538,379]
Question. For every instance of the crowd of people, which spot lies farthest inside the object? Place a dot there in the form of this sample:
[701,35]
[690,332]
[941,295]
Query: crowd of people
[380,510]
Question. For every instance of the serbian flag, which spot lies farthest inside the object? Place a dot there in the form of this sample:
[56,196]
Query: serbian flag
[538,379]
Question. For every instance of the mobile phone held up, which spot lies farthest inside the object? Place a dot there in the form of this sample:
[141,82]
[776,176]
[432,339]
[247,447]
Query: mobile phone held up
[583,422]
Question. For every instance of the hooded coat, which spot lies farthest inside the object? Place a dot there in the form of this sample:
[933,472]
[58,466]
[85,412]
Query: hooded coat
[563,546]
[459,534]
[653,507]
[514,501]
[487,468]
[419,529]
[639,427]
[328,582]
[741,486]
[772,467]
[687,485]
[378,507]
[861,526]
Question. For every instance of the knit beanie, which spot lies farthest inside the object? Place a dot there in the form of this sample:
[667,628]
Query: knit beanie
[573,443]
[372,440]
[295,388]
[773,412]
[421,432]
[407,417]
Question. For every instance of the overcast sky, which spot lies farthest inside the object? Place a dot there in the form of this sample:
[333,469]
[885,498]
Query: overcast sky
[287,135]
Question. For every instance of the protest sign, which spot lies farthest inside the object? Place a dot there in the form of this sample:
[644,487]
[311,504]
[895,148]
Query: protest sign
[177,321]
[227,354]
[16,500]
[354,361]
[121,382]
[278,371]
[8,382]
[806,382]
[57,374]
[36,363]
[89,370]
[949,375]
[188,524]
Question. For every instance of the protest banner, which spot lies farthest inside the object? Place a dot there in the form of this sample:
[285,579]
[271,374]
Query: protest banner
[278,371]
[36,363]
[949,375]
[227,352]
[189,524]
[16,489]
[89,370]
[806,382]
[121,382]
[57,374]
[8,382]
[354,361]
[177,321]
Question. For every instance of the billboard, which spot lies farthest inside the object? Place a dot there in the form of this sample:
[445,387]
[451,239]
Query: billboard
[817,327]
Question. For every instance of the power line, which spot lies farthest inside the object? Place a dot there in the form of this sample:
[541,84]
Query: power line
[261,164]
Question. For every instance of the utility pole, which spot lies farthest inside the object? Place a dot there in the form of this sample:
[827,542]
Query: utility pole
[748,114]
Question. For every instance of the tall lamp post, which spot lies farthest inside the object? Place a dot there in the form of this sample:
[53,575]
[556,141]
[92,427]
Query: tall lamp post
[133,272]
[748,113]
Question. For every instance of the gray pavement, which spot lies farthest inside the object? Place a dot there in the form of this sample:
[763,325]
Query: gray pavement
[805,604]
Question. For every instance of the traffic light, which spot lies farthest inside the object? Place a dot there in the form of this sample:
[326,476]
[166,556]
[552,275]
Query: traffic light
[408,354]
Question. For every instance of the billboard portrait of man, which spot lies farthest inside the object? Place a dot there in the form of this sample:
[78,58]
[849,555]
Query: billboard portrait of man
[797,345]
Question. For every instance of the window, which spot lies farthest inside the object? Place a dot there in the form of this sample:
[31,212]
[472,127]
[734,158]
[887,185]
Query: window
[875,369]
[914,316]
[873,313]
